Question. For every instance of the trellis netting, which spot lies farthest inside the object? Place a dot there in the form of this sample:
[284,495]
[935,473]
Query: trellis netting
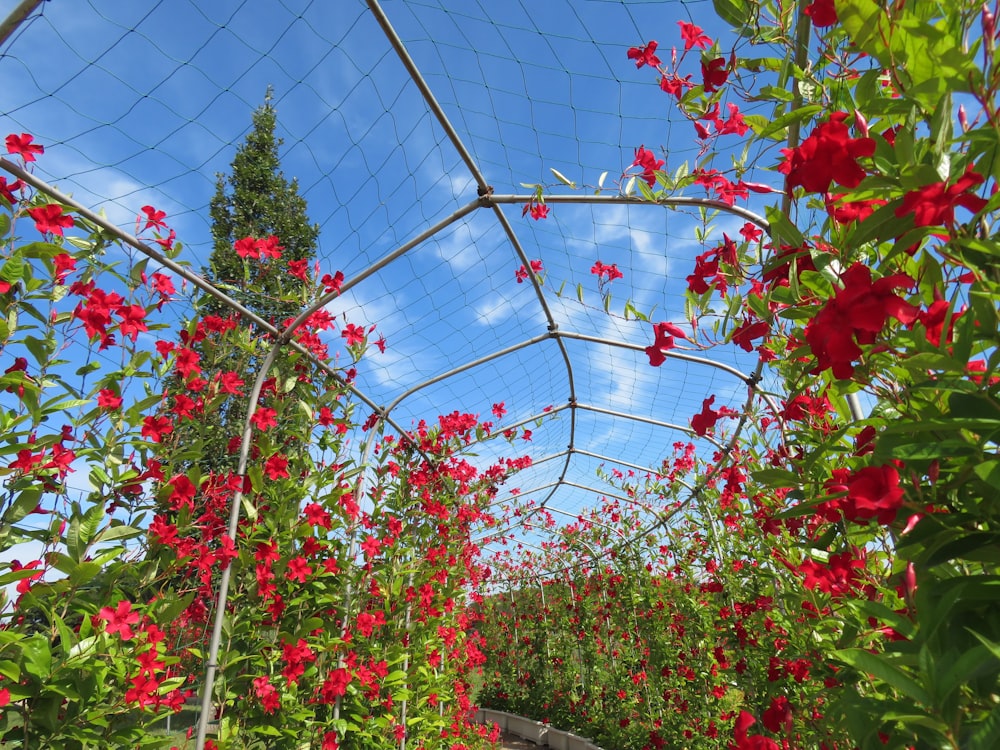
[417,132]
[501,382]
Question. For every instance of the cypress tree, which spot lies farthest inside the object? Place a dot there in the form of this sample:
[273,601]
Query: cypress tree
[256,201]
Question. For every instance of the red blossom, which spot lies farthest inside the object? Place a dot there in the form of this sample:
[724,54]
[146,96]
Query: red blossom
[934,205]
[132,320]
[714,74]
[64,264]
[156,427]
[649,163]
[120,619]
[644,55]
[264,418]
[674,84]
[22,146]
[108,399]
[522,273]
[756,742]
[869,493]
[705,420]
[693,36]
[353,334]
[855,316]
[606,272]
[748,331]
[276,467]
[537,210]
[298,569]
[50,218]
[154,218]
[664,334]
[332,284]
[299,269]
[846,212]
[822,12]
[7,189]
[828,155]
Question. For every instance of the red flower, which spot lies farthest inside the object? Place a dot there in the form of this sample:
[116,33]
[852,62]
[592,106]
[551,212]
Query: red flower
[855,316]
[845,213]
[156,427]
[246,248]
[828,155]
[693,36]
[933,320]
[674,84]
[644,55]
[64,264]
[743,723]
[539,211]
[371,546]
[182,492]
[299,269]
[50,218]
[132,320]
[7,189]
[22,146]
[870,493]
[664,341]
[298,569]
[749,330]
[839,576]
[264,418]
[332,283]
[120,619]
[276,467]
[499,410]
[335,685]
[714,74]
[778,716]
[602,271]
[822,12]
[704,421]
[934,205]
[354,334]
[649,163]
[154,218]
[108,399]
[522,273]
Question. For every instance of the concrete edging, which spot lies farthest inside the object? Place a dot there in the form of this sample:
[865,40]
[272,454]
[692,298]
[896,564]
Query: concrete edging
[537,732]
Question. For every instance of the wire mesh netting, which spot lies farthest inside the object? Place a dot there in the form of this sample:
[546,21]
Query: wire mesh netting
[419,126]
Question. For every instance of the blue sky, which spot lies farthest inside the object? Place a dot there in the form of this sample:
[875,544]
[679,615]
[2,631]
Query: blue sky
[144,102]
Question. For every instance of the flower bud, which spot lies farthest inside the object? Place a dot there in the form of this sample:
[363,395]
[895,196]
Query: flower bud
[861,124]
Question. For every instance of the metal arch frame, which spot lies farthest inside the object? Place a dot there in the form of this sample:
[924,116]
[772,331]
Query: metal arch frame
[485,200]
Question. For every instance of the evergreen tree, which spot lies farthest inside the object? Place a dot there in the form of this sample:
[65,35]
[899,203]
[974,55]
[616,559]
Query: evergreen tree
[260,203]
[255,201]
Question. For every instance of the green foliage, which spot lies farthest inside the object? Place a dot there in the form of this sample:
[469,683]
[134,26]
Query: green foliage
[256,200]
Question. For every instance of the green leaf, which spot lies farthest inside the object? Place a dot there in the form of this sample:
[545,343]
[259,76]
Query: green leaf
[562,178]
[25,502]
[782,230]
[13,270]
[929,56]
[881,669]
[37,656]
[987,734]
[775,130]
[734,12]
